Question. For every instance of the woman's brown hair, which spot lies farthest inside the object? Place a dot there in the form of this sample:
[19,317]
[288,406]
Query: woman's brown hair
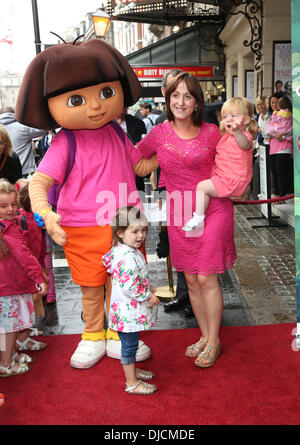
[67,67]
[195,90]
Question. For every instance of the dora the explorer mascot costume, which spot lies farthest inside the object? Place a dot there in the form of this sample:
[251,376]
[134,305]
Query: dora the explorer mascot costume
[83,87]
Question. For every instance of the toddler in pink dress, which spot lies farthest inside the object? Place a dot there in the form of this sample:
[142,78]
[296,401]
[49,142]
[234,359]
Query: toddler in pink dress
[280,128]
[232,171]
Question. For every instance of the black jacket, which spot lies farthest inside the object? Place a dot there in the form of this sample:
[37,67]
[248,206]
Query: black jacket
[135,128]
[12,169]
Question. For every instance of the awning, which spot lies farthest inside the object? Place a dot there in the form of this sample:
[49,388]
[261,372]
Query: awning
[165,12]
[196,49]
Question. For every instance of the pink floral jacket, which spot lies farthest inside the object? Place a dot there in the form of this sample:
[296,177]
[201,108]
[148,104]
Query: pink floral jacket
[129,306]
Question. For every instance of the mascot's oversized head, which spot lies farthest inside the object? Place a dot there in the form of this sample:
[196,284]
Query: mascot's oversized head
[81,85]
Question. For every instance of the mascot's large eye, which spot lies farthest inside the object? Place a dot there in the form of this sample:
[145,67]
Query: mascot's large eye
[107,93]
[298,90]
[76,101]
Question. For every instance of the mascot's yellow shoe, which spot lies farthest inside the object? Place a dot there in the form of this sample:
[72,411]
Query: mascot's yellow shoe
[89,351]
[113,347]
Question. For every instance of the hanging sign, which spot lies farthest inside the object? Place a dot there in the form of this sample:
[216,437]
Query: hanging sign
[150,72]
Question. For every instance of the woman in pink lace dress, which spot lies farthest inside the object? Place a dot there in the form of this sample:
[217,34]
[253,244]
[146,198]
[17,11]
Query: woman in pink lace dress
[186,148]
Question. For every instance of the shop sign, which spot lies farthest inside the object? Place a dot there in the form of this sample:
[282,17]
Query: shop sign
[144,72]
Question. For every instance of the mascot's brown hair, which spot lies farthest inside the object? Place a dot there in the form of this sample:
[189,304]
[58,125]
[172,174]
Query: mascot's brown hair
[66,67]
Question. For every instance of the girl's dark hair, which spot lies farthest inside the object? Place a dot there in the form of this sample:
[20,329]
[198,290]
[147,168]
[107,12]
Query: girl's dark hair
[67,67]
[124,217]
[284,103]
[195,90]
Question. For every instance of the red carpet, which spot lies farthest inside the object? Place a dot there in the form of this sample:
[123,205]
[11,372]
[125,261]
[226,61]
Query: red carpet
[256,381]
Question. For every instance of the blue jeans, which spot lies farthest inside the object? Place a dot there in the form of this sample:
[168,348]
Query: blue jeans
[130,342]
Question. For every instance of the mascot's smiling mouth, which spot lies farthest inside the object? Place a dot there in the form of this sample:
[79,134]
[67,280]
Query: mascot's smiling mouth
[97,116]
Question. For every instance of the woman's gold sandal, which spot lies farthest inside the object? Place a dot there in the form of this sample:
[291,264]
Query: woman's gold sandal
[205,355]
[145,389]
[196,348]
[142,374]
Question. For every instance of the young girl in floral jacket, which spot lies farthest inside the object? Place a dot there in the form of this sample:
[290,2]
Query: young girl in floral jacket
[132,298]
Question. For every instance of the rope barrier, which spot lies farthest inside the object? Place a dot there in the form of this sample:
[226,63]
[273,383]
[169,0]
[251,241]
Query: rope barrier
[264,201]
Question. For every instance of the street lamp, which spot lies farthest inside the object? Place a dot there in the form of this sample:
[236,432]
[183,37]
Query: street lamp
[101,23]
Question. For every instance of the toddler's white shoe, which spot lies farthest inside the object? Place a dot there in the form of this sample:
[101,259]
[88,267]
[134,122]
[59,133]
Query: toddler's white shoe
[143,352]
[88,353]
[113,350]
[194,222]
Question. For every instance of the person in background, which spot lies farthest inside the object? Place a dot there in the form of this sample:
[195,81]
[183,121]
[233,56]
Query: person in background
[149,118]
[10,166]
[263,118]
[21,137]
[273,106]
[46,141]
[280,130]
[278,89]
[37,246]
[288,92]
[135,129]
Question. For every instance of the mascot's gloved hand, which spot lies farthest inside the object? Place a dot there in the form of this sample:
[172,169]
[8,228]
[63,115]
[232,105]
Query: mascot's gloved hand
[38,192]
[52,220]
[52,226]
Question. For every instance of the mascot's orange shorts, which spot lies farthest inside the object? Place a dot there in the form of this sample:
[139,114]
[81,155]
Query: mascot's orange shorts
[84,249]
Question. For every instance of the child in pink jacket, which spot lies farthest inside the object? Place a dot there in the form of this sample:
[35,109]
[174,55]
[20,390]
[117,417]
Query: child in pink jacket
[20,276]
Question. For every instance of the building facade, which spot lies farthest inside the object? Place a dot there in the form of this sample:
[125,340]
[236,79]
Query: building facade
[253,69]
[9,89]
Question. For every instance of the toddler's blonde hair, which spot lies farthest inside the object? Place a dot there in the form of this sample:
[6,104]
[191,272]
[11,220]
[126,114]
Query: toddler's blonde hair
[7,141]
[241,106]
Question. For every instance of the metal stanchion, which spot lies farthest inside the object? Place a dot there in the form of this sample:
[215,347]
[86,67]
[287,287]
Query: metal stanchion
[167,292]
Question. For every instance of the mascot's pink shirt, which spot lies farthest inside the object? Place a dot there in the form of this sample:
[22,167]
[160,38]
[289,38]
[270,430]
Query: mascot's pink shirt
[102,178]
